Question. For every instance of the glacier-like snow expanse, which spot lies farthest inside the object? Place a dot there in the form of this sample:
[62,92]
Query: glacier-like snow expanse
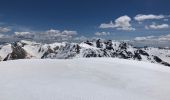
[83,79]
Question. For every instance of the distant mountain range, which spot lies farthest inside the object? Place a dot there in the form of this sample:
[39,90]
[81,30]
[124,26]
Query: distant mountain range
[33,50]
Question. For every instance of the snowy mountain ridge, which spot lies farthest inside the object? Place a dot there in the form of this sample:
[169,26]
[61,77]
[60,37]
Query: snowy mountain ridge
[32,50]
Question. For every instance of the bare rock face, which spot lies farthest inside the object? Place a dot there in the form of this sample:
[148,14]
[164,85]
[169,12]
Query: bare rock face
[48,52]
[17,53]
[123,46]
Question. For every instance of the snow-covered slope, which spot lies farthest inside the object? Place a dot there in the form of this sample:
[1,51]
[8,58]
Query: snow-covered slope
[163,53]
[5,50]
[83,79]
[32,50]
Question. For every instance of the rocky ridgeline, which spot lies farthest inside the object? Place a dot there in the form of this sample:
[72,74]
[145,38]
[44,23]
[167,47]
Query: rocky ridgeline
[33,50]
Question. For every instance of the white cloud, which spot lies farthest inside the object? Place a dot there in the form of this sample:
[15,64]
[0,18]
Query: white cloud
[1,35]
[102,33]
[155,26]
[69,33]
[22,33]
[161,41]
[81,38]
[109,25]
[49,35]
[143,38]
[52,31]
[59,33]
[147,27]
[166,20]
[121,23]
[141,17]
[162,38]
[162,26]
[4,29]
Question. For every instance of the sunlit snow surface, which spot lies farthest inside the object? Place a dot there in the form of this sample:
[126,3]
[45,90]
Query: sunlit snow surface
[83,79]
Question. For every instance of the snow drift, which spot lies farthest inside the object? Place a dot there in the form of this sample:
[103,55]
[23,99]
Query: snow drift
[83,79]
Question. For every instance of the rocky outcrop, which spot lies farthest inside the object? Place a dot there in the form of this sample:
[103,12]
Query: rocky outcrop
[159,60]
[17,52]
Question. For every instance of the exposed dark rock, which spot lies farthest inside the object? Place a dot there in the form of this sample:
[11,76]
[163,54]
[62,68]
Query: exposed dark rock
[7,57]
[122,55]
[90,54]
[137,56]
[109,45]
[87,42]
[77,48]
[130,54]
[56,48]
[47,53]
[98,44]
[157,59]
[17,52]
[142,52]
[166,64]
[123,46]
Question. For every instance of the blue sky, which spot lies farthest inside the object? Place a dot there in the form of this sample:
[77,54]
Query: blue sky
[86,16]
